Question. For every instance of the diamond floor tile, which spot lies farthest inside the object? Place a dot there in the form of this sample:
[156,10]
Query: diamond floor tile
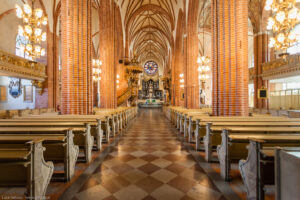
[149,162]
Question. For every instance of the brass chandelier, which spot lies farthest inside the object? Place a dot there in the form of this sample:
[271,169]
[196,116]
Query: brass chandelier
[96,69]
[285,15]
[203,68]
[33,20]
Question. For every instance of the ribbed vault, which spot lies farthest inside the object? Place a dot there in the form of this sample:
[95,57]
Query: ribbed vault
[148,28]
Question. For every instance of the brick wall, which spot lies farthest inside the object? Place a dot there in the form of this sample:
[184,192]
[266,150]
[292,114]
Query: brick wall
[76,57]
[107,54]
[41,100]
[230,57]
[191,75]
[178,63]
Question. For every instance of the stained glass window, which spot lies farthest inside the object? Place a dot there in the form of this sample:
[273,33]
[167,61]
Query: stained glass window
[150,67]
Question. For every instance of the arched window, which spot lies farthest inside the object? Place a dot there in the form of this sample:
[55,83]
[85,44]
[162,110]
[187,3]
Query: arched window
[296,48]
[150,67]
[20,43]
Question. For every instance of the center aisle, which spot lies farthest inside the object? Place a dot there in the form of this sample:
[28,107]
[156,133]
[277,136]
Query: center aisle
[149,163]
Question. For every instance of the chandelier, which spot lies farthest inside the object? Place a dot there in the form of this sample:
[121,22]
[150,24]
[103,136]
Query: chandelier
[33,20]
[96,69]
[285,16]
[203,68]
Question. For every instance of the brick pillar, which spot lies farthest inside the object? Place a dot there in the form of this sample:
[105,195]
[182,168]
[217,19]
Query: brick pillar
[107,54]
[230,57]
[76,57]
[178,61]
[119,53]
[173,74]
[261,51]
[191,76]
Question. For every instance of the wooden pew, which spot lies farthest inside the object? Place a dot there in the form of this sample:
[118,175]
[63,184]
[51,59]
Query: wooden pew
[214,129]
[113,118]
[56,150]
[184,114]
[188,123]
[258,169]
[24,165]
[174,114]
[120,114]
[287,176]
[235,140]
[191,124]
[82,137]
[98,123]
[193,119]
[200,131]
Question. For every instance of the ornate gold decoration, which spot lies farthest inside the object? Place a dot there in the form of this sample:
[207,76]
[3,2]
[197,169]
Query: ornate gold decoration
[132,71]
[147,77]
[285,15]
[251,73]
[122,98]
[282,67]
[15,66]
[39,86]
[166,82]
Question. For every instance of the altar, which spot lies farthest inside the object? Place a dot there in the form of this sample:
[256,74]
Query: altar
[150,103]
[151,90]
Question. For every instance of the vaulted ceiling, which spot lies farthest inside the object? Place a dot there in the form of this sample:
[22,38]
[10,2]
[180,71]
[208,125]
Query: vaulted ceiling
[149,27]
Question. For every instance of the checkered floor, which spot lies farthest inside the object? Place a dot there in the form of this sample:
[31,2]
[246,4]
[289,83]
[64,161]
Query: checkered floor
[149,163]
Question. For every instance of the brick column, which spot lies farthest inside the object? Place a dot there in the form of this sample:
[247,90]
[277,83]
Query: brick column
[178,61]
[173,74]
[261,51]
[76,57]
[191,76]
[107,54]
[230,57]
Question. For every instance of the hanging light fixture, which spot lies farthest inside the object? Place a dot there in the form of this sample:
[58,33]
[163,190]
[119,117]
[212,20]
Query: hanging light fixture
[33,20]
[118,81]
[285,15]
[181,80]
[203,61]
[96,69]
